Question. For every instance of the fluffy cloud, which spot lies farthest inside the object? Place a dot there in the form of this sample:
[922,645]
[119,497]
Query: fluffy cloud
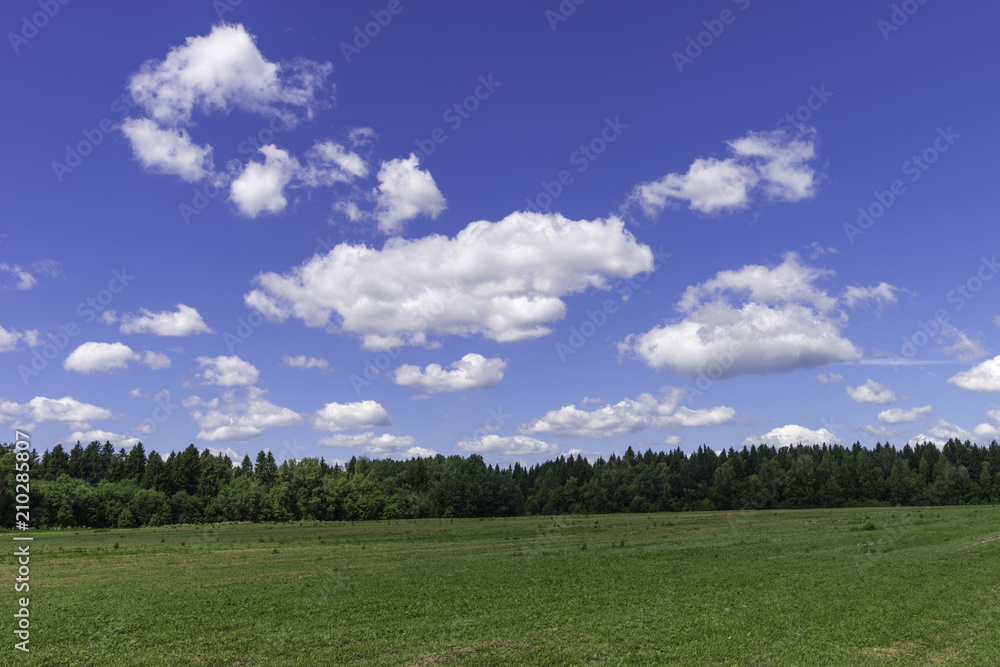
[989,430]
[341,416]
[223,71]
[880,295]
[228,371]
[871,392]
[98,435]
[10,339]
[900,416]
[768,160]
[261,187]
[156,360]
[962,347]
[93,357]
[753,320]
[502,280]
[627,416]
[941,433]
[186,321]
[984,377]
[26,278]
[330,163]
[404,192]
[66,410]
[792,434]
[168,151]
[384,445]
[305,363]
[515,445]
[238,418]
[473,371]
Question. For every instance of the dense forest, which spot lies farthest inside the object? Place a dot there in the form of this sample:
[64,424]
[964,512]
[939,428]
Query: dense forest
[98,487]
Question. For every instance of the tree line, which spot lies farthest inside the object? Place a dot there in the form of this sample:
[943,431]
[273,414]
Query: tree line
[95,486]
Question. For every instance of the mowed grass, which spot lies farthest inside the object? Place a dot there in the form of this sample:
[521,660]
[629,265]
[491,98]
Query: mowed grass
[919,586]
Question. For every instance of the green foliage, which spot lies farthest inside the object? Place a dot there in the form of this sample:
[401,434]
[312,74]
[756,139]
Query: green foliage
[93,486]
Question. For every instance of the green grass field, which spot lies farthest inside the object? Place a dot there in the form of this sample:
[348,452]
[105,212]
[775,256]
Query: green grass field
[900,586]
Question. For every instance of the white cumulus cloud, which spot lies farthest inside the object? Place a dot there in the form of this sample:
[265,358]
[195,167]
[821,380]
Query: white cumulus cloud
[305,363]
[227,371]
[502,280]
[472,371]
[627,416]
[791,435]
[771,161]
[753,320]
[94,357]
[515,445]
[984,377]
[167,150]
[871,392]
[901,416]
[185,321]
[404,192]
[238,417]
[342,416]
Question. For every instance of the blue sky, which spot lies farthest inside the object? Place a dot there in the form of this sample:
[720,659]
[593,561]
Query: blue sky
[516,229]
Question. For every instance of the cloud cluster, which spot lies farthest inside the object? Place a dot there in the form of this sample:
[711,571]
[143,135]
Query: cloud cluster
[28,277]
[223,72]
[871,392]
[343,416]
[756,319]
[502,280]
[10,340]
[769,161]
[305,363]
[627,416]
[983,377]
[901,416]
[92,357]
[226,371]
[379,446]
[473,371]
[65,410]
[514,445]
[185,321]
[791,435]
[238,418]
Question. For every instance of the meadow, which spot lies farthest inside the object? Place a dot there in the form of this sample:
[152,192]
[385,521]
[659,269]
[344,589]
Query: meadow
[877,586]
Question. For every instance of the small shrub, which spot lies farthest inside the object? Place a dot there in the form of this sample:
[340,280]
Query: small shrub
[868,526]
